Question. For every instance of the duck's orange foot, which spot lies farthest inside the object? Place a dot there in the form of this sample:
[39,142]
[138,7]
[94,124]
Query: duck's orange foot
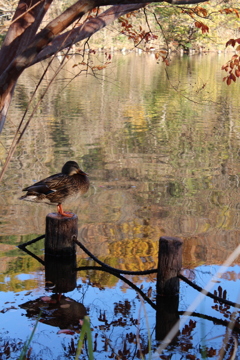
[61,212]
[68,214]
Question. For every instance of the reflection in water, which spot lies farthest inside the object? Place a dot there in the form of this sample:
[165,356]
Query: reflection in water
[60,274]
[158,163]
[57,311]
[153,157]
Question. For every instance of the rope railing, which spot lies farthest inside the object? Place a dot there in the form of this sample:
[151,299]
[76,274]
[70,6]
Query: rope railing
[110,268]
[119,272]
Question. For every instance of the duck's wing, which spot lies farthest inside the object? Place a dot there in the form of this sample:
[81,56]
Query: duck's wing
[48,185]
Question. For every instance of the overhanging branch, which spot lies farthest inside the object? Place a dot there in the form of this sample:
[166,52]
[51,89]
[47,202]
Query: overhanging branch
[86,30]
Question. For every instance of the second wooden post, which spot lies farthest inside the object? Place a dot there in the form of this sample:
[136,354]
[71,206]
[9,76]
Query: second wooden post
[169,264]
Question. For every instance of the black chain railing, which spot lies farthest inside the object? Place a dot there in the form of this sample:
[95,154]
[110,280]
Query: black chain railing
[118,272]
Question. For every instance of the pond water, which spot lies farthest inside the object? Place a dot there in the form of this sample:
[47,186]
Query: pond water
[162,149]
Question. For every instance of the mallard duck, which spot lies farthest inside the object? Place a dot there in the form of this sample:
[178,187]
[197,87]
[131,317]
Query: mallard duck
[58,188]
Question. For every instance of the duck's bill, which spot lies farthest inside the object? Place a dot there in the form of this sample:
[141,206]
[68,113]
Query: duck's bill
[82,172]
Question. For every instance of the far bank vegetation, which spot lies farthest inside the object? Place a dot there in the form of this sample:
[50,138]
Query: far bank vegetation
[157,26]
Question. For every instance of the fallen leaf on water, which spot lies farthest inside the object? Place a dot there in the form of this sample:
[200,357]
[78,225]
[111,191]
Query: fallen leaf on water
[66,331]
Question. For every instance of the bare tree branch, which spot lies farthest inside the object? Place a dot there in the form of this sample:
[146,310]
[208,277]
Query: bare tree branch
[22,30]
[86,30]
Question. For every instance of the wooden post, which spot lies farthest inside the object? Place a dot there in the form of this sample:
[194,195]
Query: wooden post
[169,265]
[59,234]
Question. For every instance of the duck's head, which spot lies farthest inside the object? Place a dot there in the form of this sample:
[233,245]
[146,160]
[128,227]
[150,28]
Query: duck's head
[72,168]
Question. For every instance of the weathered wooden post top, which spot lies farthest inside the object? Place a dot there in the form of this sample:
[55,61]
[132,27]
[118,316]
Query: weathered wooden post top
[60,231]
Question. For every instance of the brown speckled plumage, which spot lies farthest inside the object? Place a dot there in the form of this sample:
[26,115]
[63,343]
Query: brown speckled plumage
[58,188]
